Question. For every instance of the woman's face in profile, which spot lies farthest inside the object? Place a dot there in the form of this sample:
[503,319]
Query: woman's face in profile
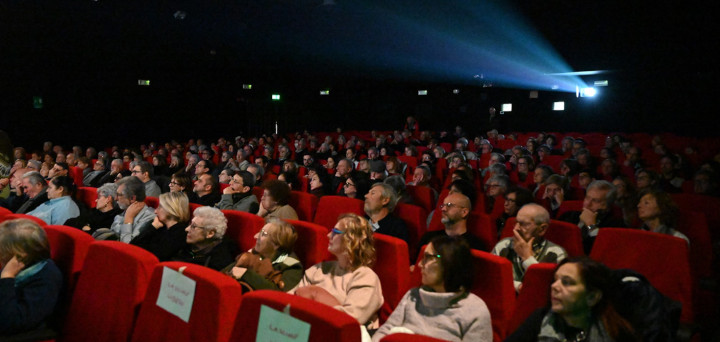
[431,269]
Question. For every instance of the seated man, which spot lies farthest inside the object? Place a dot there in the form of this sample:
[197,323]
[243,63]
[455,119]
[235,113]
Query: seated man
[96,174]
[116,166]
[239,195]
[528,246]
[144,172]
[380,202]
[207,190]
[596,213]
[455,212]
[135,215]
[59,169]
[35,189]
[205,243]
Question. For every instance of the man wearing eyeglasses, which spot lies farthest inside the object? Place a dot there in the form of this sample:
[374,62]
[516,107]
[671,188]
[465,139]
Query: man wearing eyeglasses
[455,211]
[528,245]
[239,195]
[144,172]
[116,166]
[379,204]
[130,198]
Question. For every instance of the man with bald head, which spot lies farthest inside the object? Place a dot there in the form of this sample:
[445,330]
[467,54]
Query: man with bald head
[528,246]
[455,211]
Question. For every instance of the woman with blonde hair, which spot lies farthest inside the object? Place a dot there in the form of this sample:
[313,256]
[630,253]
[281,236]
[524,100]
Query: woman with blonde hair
[29,281]
[165,235]
[348,284]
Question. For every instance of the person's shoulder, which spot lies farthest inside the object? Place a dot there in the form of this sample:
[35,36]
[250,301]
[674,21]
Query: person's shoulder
[504,243]
[475,302]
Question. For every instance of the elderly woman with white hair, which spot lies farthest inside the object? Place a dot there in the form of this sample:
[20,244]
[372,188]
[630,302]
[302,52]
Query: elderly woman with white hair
[204,240]
[106,208]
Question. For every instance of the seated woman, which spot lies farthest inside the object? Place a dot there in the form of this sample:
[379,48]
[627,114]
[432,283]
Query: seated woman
[29,282]
[580,309]
[106,208]
[357,185]
[348,284]
[271,264]
[274,201]
[320,184]
[515,199]
[165,235]
[443,307]
[60,206]
[659,213]
[205,244]
[181,182]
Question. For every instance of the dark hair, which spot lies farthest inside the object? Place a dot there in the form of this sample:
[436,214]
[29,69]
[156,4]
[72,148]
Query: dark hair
[66,183]
[456,262]
[572,164]
[668,209]
[146,167]
[278,190]
[183,180]
[598,277]
[522,196]
[466,188]
[63,165]
[362,183]
[290,178]
[247,177]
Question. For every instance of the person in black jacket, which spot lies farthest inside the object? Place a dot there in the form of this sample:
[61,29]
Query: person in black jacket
[204,240]
[165,235]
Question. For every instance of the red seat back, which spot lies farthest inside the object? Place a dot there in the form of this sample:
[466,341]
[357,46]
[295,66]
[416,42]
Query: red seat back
[4,212]
[258,192]
[567,206]
[217,299]
[68,248]
[423,196]
[153,202]
[483,227]
[312,243]
[331,207]
[87,195]
[493,282]
[415,219]
[108,293]
[76,174]
[305,205]
[242,228]
[327,324]
[393,269]
[662,259]
[535,293]
[24,216]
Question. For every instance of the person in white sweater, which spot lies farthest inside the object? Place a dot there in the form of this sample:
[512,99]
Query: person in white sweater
[443,307]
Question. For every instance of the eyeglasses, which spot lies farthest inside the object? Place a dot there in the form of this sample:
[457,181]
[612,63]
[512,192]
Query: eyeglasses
[427,257]
[336,231]
[263,232]
[135,171]
[174,183]
[450,206]
[348,184]
[194,226]
[508,199]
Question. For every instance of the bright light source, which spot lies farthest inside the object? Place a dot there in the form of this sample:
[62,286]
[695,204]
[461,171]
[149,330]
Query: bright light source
[456,91]
[507,107]
[422,92]
[325,92]
[145,83]
[276,97]
[603,83]
[247,86]
[588,92]
[560,105]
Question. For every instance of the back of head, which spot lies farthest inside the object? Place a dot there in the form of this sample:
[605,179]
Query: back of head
[25,239]
[177,205]
[279,191]
[358,240]
[66,183]
[456,261]
[247,177]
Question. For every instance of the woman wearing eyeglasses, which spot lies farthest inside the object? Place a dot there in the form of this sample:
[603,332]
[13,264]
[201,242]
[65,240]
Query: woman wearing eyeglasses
[348,284]
[443,307]
[271,264]
[204,240]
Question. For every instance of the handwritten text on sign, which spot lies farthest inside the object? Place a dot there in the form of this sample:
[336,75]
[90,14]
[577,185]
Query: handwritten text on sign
[276,326]
[177,293]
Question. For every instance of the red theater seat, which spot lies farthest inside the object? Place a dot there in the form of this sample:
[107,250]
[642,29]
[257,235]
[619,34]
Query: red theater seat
[493,282]
[415,219]
[109,291]
[216,303]
[662,259]
[562,233]
[393,269]
[24,216]
[305,205]
[331,207]
[535,293]
[153,202]
[327,324]
[312,243]
[423,196]
[68,248]
[87,195]
[242,228]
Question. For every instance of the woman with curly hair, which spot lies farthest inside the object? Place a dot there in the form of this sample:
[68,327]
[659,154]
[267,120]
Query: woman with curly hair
[659,213]
[348,284]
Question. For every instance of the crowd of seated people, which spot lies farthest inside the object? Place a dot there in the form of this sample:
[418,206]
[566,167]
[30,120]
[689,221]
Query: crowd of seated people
[619,182]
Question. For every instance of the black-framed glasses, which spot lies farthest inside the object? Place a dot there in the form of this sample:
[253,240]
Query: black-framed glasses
[194,226]
[348,184]
[449,206]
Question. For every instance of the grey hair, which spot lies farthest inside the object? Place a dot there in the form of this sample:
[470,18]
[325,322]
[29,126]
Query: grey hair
[388,192]
[500,157]
[34,178]
[502,180]
[214,219]
[497,169]
[605,186]
[108,189]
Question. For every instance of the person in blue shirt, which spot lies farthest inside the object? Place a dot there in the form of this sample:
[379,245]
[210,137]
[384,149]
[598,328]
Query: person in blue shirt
[60,206]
